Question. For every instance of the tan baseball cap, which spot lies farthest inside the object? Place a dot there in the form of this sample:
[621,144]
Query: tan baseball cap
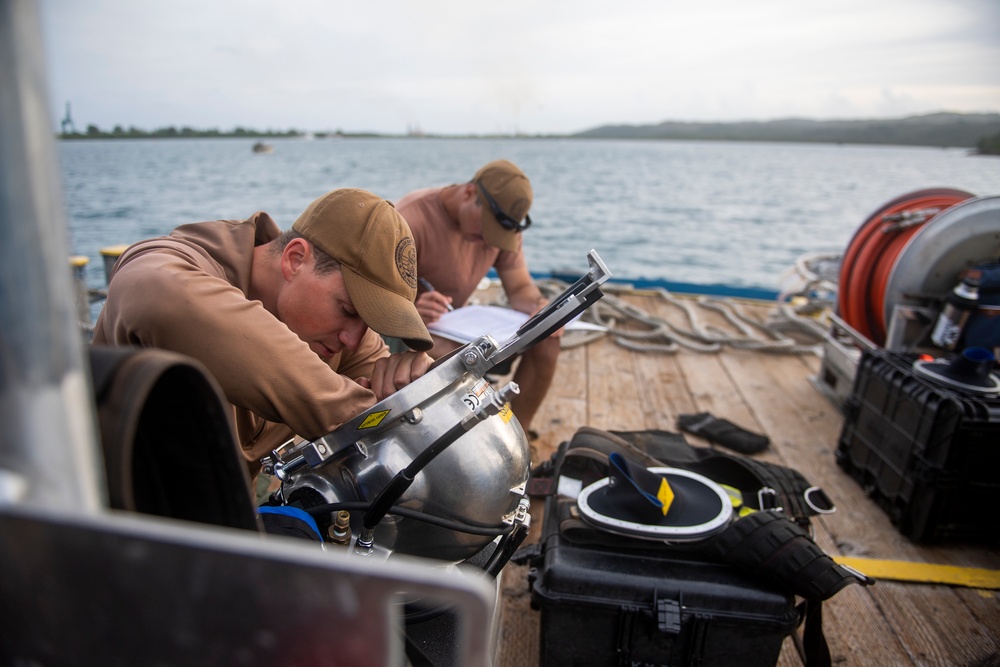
[378,259]
[510,191]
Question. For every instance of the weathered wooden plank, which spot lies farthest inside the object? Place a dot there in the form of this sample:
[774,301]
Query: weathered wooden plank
[518,633]
[934,625]
[663,392]
[703,384]
[613,389]
[858,634]
[984,605]
[566,406]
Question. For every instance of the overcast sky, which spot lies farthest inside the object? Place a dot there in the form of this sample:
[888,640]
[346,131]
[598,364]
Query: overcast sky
[455,67]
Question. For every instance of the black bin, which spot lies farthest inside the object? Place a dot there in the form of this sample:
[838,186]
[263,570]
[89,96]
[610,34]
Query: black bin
[636,603]
[927,454]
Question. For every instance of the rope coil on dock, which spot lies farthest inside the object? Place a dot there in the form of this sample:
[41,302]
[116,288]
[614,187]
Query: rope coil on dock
[635,329]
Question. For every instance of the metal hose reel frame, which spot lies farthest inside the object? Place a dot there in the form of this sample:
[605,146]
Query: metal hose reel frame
[961,236]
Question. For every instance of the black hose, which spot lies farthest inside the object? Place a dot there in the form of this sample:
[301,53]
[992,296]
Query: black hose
[395,489]
[505,549]
[408,513]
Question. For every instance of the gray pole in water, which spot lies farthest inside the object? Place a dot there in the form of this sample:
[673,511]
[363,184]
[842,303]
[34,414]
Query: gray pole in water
[48,441]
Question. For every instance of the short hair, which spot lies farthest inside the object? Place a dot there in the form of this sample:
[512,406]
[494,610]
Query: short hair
[325,264]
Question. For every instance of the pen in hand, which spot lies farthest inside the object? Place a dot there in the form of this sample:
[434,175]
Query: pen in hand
[426,284]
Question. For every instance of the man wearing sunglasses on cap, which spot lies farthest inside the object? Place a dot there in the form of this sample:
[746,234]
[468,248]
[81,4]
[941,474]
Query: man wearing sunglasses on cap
[461,232]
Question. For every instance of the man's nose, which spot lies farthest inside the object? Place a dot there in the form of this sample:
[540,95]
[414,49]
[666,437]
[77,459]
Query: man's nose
[351,336]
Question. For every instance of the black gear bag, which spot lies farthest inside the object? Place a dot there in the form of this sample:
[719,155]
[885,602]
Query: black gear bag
[730,598]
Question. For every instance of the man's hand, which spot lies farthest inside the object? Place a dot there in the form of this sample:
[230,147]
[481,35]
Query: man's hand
[396,371]
[432,305]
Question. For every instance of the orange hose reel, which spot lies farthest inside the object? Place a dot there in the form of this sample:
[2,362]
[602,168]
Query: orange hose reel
[871,254]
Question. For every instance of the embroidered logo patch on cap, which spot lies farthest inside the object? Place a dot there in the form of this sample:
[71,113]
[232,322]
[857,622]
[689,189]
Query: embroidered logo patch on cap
[406,261]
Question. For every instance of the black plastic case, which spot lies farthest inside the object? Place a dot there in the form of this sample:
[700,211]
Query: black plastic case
[647,605]
[927,454]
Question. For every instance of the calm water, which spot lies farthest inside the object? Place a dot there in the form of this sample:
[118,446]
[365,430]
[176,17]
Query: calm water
[697,212]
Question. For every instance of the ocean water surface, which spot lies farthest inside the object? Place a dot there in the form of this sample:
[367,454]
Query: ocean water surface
[707,213]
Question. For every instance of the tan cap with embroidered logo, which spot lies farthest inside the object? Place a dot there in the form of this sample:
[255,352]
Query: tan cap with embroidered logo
[378,259]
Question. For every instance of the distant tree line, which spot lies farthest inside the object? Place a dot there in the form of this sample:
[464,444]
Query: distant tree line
[989,145]
[977,132]
[119,132]
[973,131]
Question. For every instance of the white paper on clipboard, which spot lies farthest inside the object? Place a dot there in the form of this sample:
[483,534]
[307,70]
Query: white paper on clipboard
[464,325]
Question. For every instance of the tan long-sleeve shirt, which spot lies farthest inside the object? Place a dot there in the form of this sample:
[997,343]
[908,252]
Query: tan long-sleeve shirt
[188,292]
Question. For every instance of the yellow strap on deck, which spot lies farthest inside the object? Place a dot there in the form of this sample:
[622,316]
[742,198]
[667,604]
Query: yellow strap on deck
[928,573]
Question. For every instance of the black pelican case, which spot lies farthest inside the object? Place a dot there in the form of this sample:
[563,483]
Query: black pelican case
[643,603]
[929,455]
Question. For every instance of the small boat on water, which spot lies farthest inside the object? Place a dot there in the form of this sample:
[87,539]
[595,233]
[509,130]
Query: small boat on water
[262,147]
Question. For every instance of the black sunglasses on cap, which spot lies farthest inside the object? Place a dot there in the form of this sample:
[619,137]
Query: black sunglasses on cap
[505,220]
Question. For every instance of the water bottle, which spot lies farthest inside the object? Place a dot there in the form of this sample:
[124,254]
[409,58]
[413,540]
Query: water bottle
[958,306]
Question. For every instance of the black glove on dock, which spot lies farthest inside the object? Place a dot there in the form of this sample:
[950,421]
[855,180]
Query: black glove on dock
[723,432]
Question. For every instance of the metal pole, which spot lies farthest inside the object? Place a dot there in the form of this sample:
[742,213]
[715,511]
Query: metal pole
[48,442]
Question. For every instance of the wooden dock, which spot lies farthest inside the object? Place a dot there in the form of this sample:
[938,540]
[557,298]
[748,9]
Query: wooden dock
[604,385]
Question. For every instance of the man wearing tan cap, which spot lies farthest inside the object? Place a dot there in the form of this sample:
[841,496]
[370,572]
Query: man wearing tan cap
[287,323]
[461,232]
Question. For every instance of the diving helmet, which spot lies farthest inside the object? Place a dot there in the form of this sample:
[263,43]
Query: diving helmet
[438,469]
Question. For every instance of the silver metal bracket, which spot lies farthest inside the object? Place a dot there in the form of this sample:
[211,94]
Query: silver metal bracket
[475,359]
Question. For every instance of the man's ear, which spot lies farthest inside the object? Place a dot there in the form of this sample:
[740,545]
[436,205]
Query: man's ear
[471,191]
[295,257]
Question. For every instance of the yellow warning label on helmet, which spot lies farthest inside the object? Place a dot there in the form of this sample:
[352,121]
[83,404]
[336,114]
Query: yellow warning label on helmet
[665,495]
[374,419]
[506,413]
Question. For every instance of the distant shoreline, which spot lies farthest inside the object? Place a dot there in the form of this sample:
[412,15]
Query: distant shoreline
[977,132]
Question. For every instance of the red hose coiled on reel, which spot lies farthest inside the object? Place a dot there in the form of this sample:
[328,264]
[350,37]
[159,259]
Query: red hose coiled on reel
[872,252]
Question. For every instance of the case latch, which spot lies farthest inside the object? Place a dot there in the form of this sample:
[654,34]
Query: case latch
[668,616]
